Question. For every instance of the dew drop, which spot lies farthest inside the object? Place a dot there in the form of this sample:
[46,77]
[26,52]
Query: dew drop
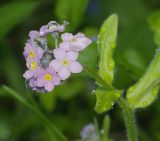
[145,104]
[93,92]
[53,25]
[154,92]
[104,29]
[112,44]
[111,65]
[65,23]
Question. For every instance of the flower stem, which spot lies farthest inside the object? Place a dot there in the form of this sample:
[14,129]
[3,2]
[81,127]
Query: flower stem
[56,36]
[129,119]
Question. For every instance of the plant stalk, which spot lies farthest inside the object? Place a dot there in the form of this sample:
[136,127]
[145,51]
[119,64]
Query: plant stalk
[129,119]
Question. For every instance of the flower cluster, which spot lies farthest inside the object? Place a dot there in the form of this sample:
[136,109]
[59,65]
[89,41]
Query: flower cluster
[49,67]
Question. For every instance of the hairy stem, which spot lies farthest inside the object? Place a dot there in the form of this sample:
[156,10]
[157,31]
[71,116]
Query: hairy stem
[129,119]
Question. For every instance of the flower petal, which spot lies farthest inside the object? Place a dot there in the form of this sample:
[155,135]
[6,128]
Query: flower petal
[75,67]
[64,73]
[59,53]
[39,52]
[67,36]
[72,55]
[51,71]
[56,80]
[65,46]
[80,43]
[49,86]
[61,28]
[40,82]
[43,30]
[33,34]
[32,82]
[55,64]
[28,74]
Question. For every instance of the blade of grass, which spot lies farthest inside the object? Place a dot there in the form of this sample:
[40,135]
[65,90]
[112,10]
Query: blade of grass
[47,123]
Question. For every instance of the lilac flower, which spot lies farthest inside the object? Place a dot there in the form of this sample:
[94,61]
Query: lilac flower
[32,52]
[46,68]
[47,79]
[33,67]
[65,63]
[77,42]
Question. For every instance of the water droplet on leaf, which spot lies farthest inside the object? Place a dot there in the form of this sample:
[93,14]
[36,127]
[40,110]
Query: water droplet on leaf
[113,44]
[111,65]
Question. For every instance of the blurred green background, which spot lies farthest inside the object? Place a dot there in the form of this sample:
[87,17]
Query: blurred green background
[71,105]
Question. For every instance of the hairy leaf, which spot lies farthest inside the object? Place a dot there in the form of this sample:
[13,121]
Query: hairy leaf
[107,44]
[105,99]
[154,22]
[144,92]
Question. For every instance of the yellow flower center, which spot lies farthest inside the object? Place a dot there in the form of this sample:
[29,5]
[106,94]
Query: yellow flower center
[48,77]
[31,54]
[33,65]
[65,62]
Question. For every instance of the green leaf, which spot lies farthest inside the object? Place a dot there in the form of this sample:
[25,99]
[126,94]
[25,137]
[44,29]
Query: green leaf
[72,11]
[107,43]
[105,99]
[145,91]
[14,13]
[154,22]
